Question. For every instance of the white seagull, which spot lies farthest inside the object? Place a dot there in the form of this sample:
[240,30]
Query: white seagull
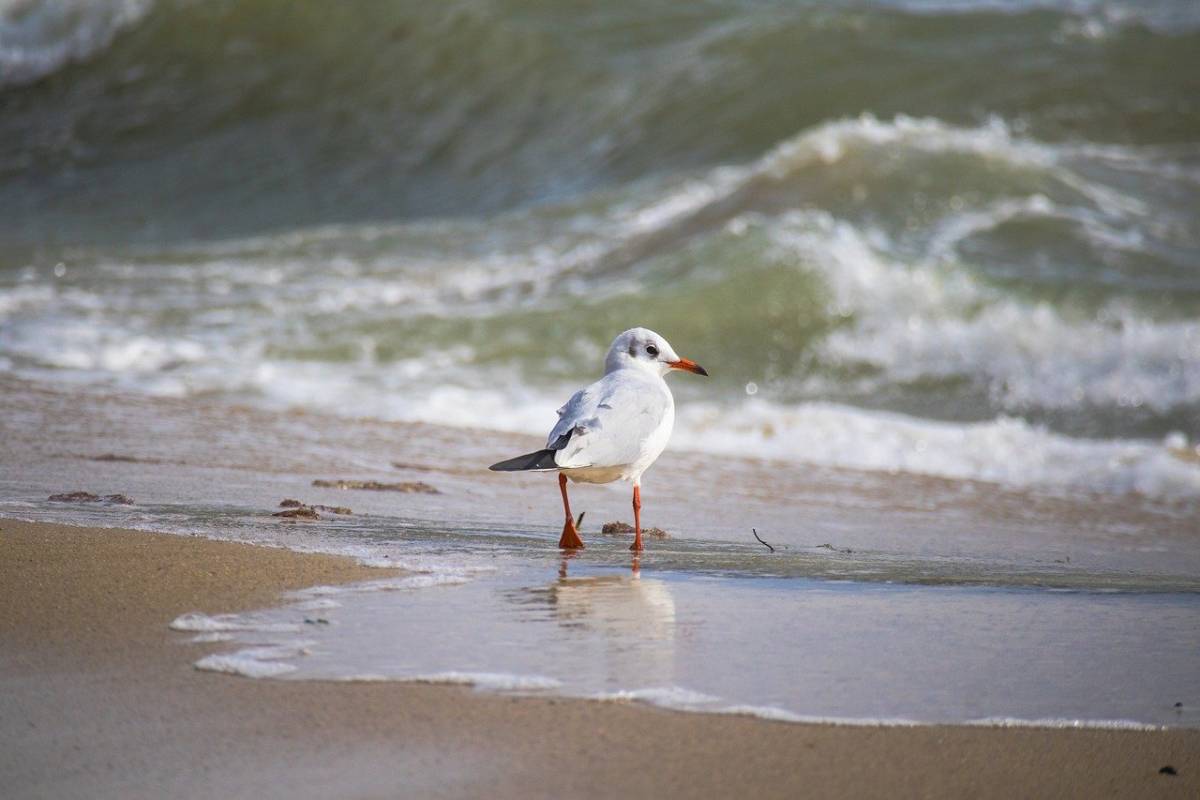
[615,428]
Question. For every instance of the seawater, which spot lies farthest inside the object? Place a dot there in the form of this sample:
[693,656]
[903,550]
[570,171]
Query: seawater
[786,649]
[703,625]
[882,598]
[904,248]
[445,214]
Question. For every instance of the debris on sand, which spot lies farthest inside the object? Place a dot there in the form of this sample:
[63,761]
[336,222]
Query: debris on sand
[288,502]
[303,512]
[414,467]
[408,487]
[125,459]
[621,528]
[88,497]
[74,497]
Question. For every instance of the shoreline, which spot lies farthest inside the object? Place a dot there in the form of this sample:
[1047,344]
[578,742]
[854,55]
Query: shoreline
[100,699]
[189,461]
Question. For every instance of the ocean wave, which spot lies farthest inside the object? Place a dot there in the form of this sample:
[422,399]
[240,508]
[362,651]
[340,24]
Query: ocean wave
[851,267]
[400,110]
[39,37]
[910,324]
[827,304]
[1103,15]
[1006,450]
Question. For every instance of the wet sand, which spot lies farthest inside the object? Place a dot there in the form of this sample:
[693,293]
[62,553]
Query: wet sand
[99,699]
[179,459]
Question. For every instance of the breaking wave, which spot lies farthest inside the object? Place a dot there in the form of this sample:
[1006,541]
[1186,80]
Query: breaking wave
[1005,281]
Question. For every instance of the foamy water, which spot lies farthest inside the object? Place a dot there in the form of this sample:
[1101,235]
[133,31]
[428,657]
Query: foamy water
[853,339]
[39,38]
[973,283]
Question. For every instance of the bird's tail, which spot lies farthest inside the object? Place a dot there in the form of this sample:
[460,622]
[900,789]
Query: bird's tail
[541,461]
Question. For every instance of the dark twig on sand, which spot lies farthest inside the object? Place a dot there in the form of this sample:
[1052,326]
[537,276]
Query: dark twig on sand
[419,487]
[760,541]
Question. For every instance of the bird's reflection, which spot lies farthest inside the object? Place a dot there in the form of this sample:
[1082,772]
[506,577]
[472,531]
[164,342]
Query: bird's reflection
[621,605]
[623,624]
[620,628]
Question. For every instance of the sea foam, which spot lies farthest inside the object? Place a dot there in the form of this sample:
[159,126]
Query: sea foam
[678,698]
[203,623]
[45,35]
[255,662]
[902,310]
[490,681]
[1006,450]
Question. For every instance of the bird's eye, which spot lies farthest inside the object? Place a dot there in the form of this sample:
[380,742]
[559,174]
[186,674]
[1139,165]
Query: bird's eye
[651,350]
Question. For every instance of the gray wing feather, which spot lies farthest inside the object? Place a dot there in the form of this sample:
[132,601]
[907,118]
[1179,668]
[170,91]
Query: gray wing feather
[609,421]
[568,415]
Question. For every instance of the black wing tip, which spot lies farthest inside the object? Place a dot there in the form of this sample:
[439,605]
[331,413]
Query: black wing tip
[540,460]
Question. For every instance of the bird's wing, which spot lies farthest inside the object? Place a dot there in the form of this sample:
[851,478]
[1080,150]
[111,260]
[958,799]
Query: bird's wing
[606,424]
[578,407]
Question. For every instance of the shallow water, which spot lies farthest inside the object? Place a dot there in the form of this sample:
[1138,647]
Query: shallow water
[701,625]
[885,599]
[790,649]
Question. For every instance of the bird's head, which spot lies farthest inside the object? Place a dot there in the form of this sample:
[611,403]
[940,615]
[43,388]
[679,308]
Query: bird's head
[641,348]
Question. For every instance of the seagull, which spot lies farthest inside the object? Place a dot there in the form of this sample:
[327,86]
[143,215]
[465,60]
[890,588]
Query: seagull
[615,428]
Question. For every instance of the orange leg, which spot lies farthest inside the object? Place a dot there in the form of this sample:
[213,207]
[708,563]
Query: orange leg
[570,535]
[637,546]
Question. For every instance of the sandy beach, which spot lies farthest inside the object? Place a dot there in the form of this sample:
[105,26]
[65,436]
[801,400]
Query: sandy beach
[100,699]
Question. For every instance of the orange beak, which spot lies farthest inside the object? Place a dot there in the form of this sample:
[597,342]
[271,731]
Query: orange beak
[689,365]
